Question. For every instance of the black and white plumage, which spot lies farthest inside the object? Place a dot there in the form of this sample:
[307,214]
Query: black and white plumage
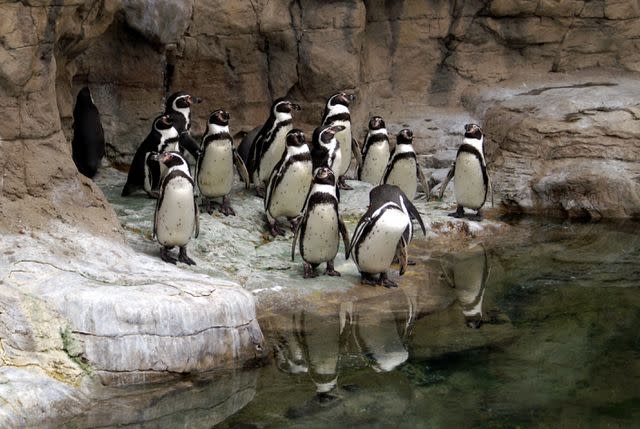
[178,106]
[289,182]
[392,193]
[321,225]
[469,173]
[269,143]
[176,217]
[88,136]
[325,148]
[375,152]
[214,172]
[337,112]
[379,236]
[403,169]
[144,172]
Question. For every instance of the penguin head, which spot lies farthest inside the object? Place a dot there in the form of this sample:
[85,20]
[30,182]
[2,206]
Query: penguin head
[169,159]
[295,137]
[341,98]
[327,133]
[282,105]
[405,136]
[220,117]
[376,123]
[181,100]
[84,95]
[473,131]
[324,176]
[162,122]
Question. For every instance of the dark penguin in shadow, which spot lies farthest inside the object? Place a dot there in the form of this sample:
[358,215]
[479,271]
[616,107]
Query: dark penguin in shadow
[88,136]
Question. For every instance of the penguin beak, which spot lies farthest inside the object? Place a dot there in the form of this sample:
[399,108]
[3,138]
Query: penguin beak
[194,100]
[294,106]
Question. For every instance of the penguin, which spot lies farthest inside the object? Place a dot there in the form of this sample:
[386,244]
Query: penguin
[269,144]
[375,152]
[379,235]
[176,216]
[325,148]
[337,112]
[88,136]
[289,183]
[469,172]
[321,226]
[144,172]
[178,106]
[214,172]
[403,169]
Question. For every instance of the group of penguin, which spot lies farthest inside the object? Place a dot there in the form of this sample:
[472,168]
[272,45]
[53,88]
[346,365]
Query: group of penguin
[298,181]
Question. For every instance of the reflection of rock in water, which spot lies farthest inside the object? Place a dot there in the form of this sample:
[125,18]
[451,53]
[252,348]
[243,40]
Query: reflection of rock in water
[467,273]
[200,402]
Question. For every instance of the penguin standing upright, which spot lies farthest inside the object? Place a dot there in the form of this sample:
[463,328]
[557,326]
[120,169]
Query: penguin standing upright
[176,216]
[321,225]
[269,144]
[469,173]
[337,112]
[178,106]
[144,171]
[325,148]
[375,153]
[88,136]
[379,236]
[289,183]
[214,173]
[403,169]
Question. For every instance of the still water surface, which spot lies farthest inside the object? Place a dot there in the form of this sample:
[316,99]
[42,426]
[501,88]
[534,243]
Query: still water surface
[498,335]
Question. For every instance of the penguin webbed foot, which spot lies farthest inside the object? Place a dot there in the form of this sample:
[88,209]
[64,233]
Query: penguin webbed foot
[260,191]
[165,256]
[368,279]
[293,222]
[330,271]
[309,271]
[384,281]
[342,184]
[226,208]
[459,213]
[477,217]
[155,194]
[274,229]
[182,257]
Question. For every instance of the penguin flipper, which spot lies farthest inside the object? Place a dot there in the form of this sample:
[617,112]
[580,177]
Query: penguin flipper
[450,174]
[343,231]
[402,254]
[357,152]
[364,221]
[415,214]
[423,180]
[189,144]
[155,213]
[197,215]
[295,239]
[241,168]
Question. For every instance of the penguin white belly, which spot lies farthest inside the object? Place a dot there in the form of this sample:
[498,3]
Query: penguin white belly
[375,163]
[215,176]
[376,251]
[176,214]
[321,236]
[271,157]
[468,181]
[344,138]
[403,175]
[289,196]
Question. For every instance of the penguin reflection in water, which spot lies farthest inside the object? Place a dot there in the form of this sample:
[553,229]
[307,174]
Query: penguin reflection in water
[321,226]
[176,216]
[214,173]
[469,174]
[289,183]
[382,233]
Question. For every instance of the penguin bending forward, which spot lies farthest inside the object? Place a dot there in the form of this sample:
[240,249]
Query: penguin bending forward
[469,173]
[88,136]
[321,226]
[176,216]
[379,236]
[289,183]
[337,112]
[144,172]
[178,106]
[403,169]
[375,153]
[214,172]
[269,144]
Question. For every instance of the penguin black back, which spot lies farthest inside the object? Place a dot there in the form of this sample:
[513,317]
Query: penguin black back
[88,136]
